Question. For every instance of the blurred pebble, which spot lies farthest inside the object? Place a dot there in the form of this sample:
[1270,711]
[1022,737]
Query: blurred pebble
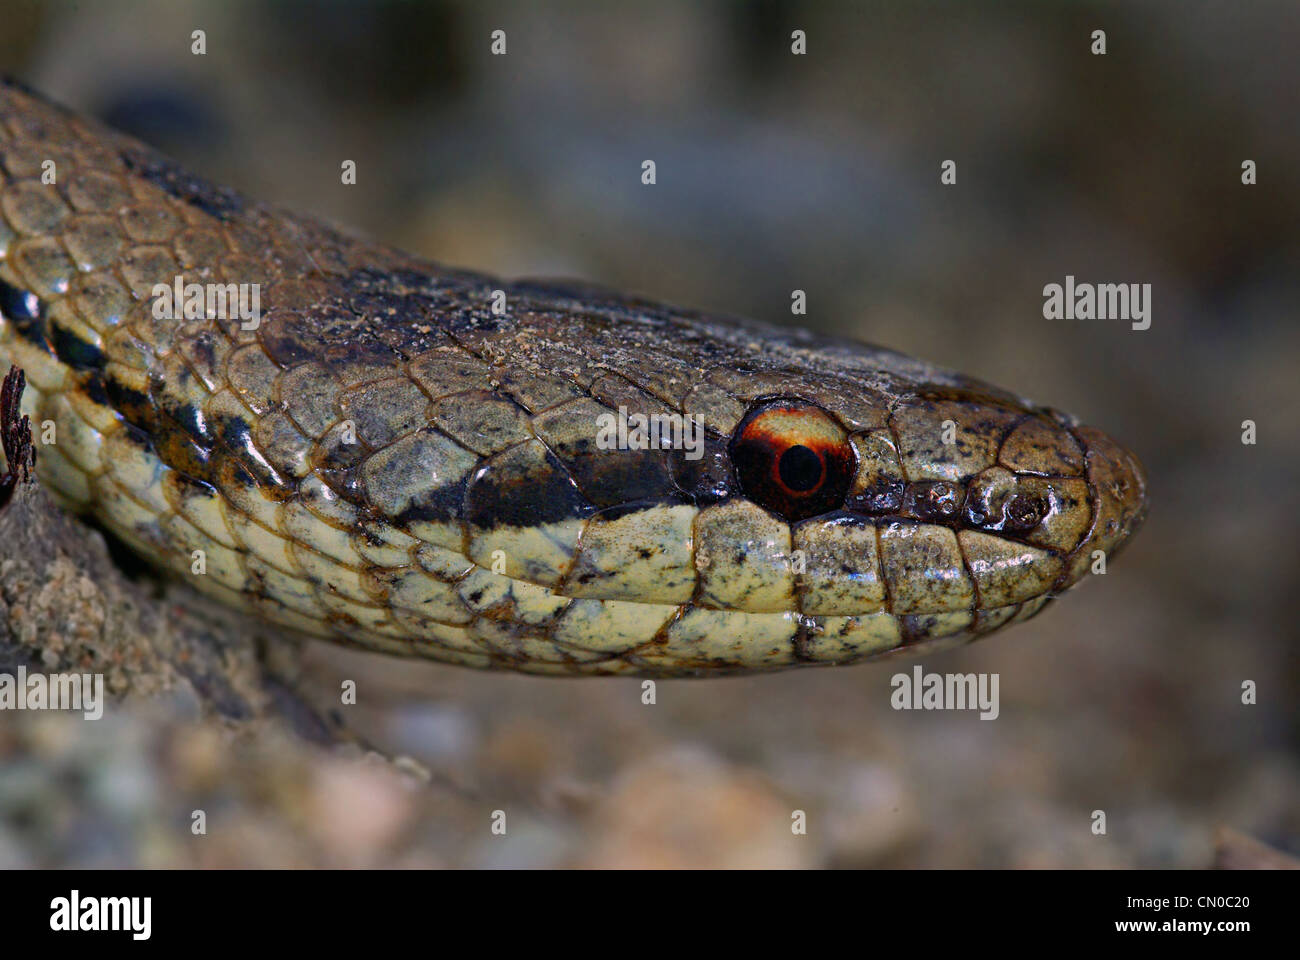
[689,809]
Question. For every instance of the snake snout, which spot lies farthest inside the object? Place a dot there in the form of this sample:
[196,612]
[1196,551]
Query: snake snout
[1117,484]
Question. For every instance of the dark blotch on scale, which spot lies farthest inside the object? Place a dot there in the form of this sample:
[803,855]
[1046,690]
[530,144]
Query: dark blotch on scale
[439,505]
[75,352]
[22,308]
[610,477]
[235,435]
[521,487]
[182,453]
[135,407]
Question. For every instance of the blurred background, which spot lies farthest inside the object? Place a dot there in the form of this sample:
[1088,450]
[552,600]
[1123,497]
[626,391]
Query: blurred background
[775,172]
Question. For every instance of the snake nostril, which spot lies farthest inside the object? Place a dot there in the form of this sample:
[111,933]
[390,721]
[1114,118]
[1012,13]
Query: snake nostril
[1025,511]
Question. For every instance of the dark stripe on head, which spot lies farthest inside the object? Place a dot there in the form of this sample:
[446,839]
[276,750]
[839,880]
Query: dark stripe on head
[220,202]
[523,486]
[75,352]
[437,505]
[136,408]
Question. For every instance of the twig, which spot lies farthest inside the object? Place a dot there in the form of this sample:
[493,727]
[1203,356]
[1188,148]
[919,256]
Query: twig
[15,435]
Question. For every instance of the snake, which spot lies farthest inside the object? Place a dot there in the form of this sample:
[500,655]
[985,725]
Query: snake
[419,461]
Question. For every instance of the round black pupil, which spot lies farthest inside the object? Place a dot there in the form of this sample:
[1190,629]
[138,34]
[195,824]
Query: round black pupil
[800,469]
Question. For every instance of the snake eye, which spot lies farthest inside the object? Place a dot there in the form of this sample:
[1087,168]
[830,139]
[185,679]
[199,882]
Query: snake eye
[792,458]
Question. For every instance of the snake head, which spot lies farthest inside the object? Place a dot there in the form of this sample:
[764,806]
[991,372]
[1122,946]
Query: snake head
[831,527]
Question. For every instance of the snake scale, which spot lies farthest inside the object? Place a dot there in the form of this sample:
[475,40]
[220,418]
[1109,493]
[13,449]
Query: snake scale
[407,458]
